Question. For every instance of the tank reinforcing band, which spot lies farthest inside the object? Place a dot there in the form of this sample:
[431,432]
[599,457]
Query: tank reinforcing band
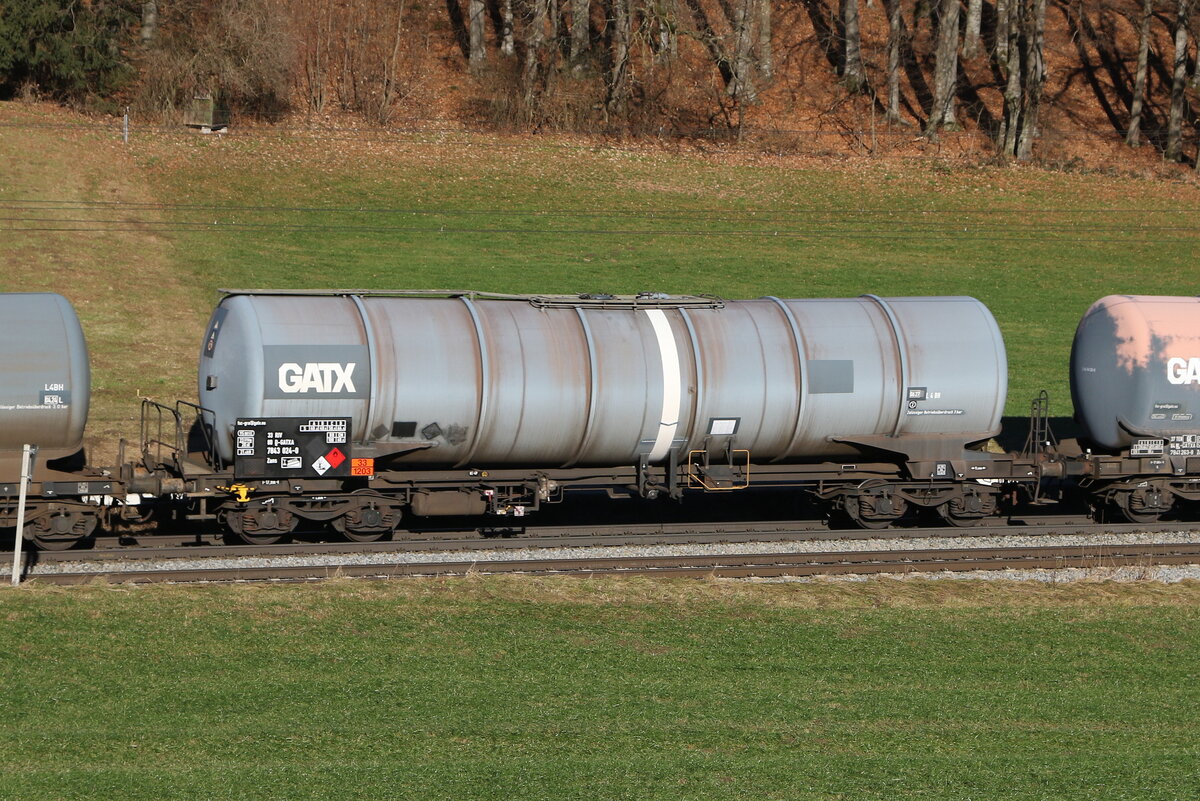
[902,353]
[484,380]
[372,364]
[672,384]
[593,381]
[698,398]
[802,366]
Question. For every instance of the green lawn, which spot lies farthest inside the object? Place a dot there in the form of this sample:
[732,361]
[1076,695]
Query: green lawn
[504,689]
[512,689]
[183,215]
[526,216]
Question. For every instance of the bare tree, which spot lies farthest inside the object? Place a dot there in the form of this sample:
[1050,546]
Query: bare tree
[315,40]
[1139,81]
[507,45]
[1025,72]
[1011,68]
[535,41]
[742,86]
[1035,73]
[660,28]
[712,41]
[971,37]
[1174,148]
[390,78]
[766,62]
[475,17]
[618,84]
[945,68]
[895,33]
[1002,38]
[353,38]
[581,35]
[852,65]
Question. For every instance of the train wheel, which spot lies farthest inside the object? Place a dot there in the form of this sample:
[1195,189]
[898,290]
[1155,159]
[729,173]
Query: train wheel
[361,533]
[957,519]
[61,532]
[874,507]
[51,543]
[261,539]
[968,509]
[366,536]
[372,521]
[260,526]
[1144,504]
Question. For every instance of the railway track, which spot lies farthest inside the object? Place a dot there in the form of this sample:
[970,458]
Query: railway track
[239,568]
[590,535]
[725,566]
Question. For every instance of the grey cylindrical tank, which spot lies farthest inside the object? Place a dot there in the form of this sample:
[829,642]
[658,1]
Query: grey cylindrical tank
[474,380]
[45,383]
[1135,369]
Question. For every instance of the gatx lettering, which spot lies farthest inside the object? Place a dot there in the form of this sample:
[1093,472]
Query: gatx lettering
[326,377]
[1183,371]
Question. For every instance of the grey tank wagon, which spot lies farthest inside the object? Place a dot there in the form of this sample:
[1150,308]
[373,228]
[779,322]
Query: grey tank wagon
[357,411]
[650,393]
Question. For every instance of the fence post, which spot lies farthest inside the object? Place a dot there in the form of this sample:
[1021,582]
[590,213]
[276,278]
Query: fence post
[125,126]
[26,475]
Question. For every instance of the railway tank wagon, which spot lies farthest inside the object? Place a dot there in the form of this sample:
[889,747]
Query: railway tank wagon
[46,385]
[467,402]
[45,390]
[354,409]
[1135,383]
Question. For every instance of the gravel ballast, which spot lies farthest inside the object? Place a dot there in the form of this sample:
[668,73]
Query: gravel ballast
[1138,573]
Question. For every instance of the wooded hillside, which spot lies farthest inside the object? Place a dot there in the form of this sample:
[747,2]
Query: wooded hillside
[1053,79]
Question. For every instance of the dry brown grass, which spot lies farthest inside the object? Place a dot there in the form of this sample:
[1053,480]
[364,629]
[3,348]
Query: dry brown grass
[682,595]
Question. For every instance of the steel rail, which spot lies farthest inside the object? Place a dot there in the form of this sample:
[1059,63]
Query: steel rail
[162,546]
[723,566]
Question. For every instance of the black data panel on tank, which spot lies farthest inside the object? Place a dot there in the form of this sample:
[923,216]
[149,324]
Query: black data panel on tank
[292,447]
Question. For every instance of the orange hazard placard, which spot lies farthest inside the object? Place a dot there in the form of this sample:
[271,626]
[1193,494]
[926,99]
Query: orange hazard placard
[362,467]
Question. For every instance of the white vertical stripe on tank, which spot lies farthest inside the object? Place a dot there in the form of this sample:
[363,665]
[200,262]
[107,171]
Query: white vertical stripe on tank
[672,384]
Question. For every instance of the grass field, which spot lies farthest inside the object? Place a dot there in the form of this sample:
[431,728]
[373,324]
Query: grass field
[511,689]
[172,217]
[606,689]
[1037,247]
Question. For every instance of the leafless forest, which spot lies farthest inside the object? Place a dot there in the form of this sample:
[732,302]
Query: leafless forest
[1005,71]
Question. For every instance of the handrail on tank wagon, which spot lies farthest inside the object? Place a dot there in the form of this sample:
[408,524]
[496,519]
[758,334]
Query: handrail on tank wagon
[155,416]
[642,300]
[1041,436]
[154,443]
[204,427]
